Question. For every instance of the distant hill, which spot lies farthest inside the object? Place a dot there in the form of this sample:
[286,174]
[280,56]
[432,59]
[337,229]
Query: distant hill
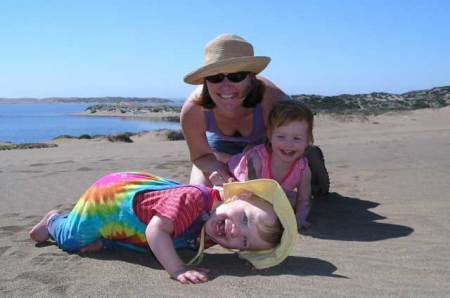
[366,104]
[377,102]
[94,100]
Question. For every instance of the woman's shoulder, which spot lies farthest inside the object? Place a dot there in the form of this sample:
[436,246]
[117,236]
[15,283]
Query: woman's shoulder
[191,109]
[272,94]
[271,91]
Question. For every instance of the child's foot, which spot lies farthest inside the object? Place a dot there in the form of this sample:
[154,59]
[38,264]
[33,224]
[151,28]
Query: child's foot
[39,232]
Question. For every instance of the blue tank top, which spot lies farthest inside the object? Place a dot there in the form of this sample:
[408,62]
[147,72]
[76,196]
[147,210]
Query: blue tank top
[234,144]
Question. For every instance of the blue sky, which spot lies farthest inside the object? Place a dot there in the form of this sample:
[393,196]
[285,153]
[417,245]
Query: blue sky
[144,48]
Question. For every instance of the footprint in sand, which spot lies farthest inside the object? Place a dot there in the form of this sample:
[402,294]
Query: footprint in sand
[59,290]
[63,162]
[10,230]
[18,254]
[27,171]
[39,164]
[50,257]
[32,217]
[161,167]
[38,276]
[84,169]
[4,249]
[8,215]
[342,166]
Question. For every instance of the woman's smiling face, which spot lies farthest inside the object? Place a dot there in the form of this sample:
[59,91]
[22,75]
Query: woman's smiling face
[235,225]
[227,95]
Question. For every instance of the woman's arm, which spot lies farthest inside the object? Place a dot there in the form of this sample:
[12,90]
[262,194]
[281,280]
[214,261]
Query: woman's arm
[159,237]
[272,94]
[253,166]
[194,130]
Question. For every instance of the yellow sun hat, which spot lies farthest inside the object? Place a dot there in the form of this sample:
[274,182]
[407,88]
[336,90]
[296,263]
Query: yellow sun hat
[270,191]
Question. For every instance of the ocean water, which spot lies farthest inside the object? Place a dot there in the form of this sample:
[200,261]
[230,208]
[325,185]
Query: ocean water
[28,123]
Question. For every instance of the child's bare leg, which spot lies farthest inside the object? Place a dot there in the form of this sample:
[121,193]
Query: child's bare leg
[39,232]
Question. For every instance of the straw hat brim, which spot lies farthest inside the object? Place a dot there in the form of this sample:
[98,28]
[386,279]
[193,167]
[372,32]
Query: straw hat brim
[270,191]
[253,64]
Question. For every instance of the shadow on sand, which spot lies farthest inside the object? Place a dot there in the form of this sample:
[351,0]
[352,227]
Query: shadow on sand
[226,264]
[348,219]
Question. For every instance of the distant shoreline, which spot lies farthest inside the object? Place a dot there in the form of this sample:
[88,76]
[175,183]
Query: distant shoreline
[343,107]
[162,117]
[374,103]
[154,116]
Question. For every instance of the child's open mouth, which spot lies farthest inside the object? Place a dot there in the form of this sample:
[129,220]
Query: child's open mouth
[220,227]
[287,152]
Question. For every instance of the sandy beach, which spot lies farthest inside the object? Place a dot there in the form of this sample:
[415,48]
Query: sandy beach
[384,230]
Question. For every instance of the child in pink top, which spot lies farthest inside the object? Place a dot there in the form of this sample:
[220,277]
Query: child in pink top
[289,133]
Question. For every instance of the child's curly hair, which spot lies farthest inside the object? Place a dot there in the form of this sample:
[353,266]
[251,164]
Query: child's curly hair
[286,111]
[269,232]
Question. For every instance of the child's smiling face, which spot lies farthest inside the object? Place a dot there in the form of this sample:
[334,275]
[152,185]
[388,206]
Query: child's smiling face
[236,224]
[290,141]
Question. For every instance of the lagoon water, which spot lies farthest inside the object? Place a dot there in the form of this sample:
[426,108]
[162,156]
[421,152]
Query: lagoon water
[27,123]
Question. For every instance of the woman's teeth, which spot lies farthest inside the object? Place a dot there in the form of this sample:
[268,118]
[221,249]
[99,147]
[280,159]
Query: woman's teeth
[227,96]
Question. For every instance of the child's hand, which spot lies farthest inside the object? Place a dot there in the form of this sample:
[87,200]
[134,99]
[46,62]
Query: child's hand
[194,276]
[216,178]
[220,177]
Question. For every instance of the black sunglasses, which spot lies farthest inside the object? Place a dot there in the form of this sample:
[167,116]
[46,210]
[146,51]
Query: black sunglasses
[234,77]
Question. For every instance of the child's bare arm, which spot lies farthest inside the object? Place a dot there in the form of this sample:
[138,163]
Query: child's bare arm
[158,233]
[253,167]
[303,199]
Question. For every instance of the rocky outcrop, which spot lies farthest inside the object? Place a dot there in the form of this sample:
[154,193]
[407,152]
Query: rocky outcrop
[8,146]
[377,102]
[135,108]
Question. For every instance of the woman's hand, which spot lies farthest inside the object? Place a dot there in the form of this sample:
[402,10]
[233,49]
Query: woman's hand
[192,276]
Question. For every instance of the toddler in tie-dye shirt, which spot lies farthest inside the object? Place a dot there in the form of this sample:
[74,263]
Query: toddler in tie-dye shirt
[141,211]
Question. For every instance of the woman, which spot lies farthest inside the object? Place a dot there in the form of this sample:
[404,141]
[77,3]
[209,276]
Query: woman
[229,111]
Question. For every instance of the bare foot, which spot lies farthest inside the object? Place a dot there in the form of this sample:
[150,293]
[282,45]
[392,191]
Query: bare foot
[39,232]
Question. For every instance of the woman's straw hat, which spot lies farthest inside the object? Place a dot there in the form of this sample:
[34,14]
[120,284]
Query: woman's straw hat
[227,53]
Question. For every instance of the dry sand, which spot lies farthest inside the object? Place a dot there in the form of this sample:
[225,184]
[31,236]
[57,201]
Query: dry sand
[384,231]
